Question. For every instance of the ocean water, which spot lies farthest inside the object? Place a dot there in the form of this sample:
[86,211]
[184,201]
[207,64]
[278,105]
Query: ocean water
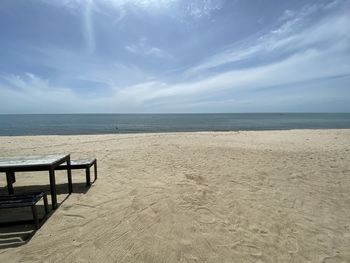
[60,124]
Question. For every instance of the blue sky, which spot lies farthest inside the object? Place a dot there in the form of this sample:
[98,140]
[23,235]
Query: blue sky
[160,56]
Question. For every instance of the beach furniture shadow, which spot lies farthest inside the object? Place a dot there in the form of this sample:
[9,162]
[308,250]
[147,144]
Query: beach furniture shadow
[15,232]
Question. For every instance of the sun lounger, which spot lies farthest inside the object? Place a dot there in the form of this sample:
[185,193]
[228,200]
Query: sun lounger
[82,164]
[28,200]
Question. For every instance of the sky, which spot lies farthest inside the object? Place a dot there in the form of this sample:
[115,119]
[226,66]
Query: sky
[174,56]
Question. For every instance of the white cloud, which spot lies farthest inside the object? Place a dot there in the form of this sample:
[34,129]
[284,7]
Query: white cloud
[287,14]
[306,66]
[89,8]
[225,57]
[144,49]
[31,94]
[320,51]
[75,65]
[310,65]
[200,8]
[310,52]
[294,35]
[88,27]
[194,8]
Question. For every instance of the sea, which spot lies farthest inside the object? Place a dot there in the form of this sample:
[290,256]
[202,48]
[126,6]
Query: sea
[70,124]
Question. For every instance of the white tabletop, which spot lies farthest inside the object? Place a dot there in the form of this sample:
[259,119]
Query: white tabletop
[25,161]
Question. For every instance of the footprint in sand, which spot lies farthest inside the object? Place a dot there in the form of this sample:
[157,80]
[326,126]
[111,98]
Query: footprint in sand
[133,192]
[74,215]
[67,207]
[292,245]
[197,178]
[205,215]
[334,259]
[248,249]
[77,243]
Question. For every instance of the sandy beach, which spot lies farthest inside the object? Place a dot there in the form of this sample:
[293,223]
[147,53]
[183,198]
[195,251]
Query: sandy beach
[250,196]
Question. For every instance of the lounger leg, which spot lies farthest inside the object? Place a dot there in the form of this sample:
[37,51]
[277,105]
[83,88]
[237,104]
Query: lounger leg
[53,189]
[35,217]
[10,178]
[69,175]
[88,179]
[95,169]
[45,204]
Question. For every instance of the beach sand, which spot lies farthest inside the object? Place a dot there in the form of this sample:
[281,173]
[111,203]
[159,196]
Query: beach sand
[252,196]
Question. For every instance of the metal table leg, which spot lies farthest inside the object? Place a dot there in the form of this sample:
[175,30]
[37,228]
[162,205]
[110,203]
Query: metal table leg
[10,178]
[95,169]
[53,188]
[88,178]
[69,175]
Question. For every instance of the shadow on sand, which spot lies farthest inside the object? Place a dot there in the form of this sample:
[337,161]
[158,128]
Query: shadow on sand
[16,224]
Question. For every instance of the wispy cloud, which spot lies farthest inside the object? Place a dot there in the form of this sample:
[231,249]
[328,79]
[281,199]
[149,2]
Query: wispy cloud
[88,27]
[200,8]
[195,8]
[293,35]
[144,49]
[307,51]
[295,69]
[33,94]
